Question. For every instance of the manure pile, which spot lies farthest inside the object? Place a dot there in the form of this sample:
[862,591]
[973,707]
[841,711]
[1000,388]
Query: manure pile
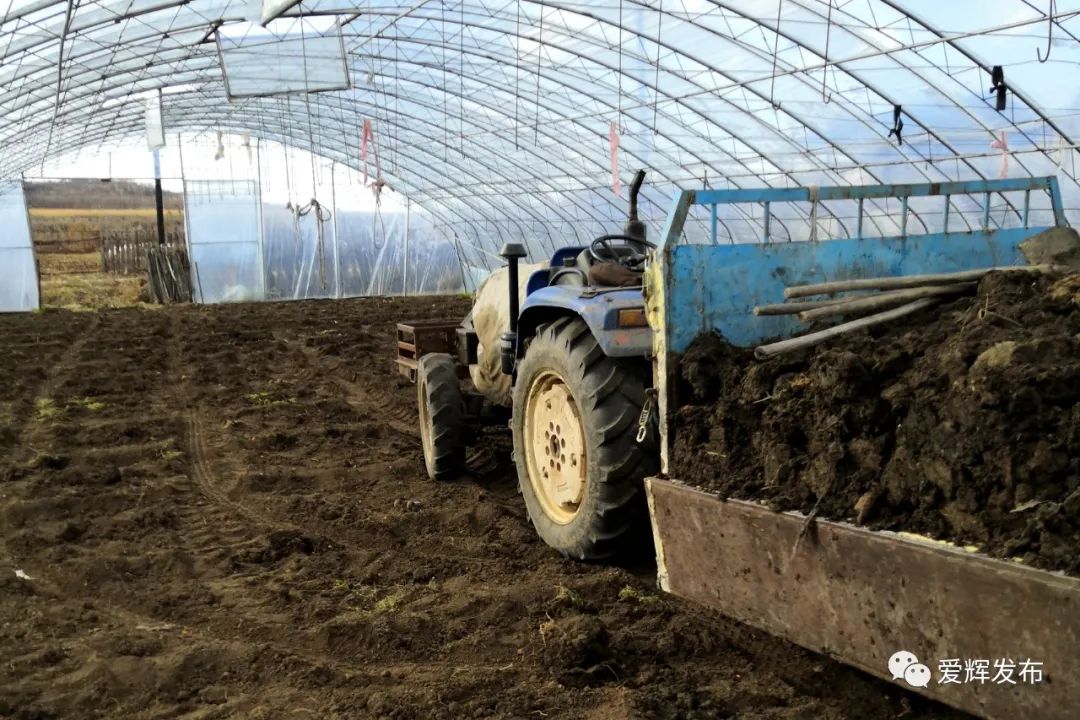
[960,422]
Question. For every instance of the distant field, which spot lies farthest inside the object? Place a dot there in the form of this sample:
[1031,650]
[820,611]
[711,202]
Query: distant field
[56,213]
[68,241]
[58,263]
[89,291]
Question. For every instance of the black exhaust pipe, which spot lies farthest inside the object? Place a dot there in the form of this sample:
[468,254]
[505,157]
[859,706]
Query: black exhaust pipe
[508,340]
[635,228]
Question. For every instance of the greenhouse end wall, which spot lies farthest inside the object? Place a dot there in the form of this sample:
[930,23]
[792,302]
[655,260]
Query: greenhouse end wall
[246,248]
[19,285]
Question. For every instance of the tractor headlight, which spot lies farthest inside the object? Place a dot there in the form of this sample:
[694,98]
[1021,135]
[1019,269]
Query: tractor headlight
[632,318]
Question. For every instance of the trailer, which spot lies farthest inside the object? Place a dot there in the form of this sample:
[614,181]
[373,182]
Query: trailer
[862,597]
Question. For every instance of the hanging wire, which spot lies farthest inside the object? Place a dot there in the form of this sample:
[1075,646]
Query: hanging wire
[656,79]
[307,103]
[1049,32]
[516,42]
[461,83]
[539,49]
[620,30]
[397,113]
[775,52]
[445,94]
[826,98]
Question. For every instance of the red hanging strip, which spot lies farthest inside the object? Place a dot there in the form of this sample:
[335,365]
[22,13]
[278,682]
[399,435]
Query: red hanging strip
[377,186]
[378,166]
[1002,144]
[365,138]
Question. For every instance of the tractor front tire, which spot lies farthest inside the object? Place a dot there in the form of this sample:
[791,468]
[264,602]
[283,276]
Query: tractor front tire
[575,420]
[442,416]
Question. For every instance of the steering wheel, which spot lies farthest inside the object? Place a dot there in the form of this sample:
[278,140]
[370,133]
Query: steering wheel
[602,250]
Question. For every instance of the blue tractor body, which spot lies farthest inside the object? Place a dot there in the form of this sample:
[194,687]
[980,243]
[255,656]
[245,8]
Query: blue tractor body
[598,307]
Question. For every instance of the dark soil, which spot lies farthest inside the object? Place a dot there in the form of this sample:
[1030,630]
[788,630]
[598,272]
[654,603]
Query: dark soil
[223,513]
[961,423]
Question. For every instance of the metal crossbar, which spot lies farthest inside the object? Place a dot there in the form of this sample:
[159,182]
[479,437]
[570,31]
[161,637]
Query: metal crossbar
[861,193]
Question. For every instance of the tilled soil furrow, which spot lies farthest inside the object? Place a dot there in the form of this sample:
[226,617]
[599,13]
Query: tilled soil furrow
[226,515]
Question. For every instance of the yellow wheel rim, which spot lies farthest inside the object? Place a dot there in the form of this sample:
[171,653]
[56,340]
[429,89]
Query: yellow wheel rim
[425,417]
[554,447]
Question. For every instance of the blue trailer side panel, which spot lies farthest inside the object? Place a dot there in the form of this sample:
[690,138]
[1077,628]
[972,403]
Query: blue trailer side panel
[717,286]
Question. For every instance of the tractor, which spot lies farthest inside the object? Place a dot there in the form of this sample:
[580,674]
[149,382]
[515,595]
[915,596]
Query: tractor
[568,367]
[587,388]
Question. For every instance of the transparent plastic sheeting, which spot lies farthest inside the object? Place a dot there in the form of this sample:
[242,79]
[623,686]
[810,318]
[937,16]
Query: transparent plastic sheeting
[495,117]
[259,63]
[18,269]
[357,253]
[224,240]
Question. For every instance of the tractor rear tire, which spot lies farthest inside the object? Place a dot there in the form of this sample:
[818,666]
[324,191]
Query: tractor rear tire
[442,416]
[575,421]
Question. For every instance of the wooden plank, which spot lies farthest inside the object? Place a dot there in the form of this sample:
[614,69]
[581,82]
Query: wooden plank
[860,596]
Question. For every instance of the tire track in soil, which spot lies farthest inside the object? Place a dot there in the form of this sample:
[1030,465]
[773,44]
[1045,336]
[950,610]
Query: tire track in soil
[360,399]
[31,432]
[219,528]
[241,523]
[205,478]
[59,371]
[481,459]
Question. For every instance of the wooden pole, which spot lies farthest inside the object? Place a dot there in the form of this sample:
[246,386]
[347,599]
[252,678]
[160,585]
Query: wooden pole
[885,300]
[909,281]
[798,307]
[763,352]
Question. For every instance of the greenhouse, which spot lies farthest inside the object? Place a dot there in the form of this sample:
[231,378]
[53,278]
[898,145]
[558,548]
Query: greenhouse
[501,122]
[529,359]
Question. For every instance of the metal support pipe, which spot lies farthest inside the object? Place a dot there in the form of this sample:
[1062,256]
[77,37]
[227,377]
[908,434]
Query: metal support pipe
[405,273]
[159,199]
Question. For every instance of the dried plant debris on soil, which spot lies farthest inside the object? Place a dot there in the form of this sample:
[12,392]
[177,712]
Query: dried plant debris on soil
[961,423]
[222,512]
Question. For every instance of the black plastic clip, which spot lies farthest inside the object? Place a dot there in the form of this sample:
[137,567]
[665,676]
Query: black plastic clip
[997,84]
[898,125]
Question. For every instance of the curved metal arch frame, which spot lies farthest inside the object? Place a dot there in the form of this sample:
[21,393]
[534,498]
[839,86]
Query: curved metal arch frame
[569,220]
[329,109]
[775,130]
[490,107]
[921,76]
[115,17]
[577,11]
[799,75]
[588,130]
[804,77]
[185,59]
[728,131]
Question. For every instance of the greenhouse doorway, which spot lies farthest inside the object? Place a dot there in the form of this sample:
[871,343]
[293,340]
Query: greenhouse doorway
[91,238]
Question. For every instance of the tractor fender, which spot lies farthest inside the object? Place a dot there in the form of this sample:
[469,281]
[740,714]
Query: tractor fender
[598,308]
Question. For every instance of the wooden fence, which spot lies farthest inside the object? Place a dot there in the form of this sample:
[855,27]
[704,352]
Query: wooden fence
[124,252]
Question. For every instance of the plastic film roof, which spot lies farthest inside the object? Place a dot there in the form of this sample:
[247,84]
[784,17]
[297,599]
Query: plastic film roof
[495,117]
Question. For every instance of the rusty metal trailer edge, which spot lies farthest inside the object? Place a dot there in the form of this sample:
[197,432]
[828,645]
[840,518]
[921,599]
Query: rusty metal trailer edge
[859,596]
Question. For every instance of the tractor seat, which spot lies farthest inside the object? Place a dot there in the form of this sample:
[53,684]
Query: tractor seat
[587,271]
